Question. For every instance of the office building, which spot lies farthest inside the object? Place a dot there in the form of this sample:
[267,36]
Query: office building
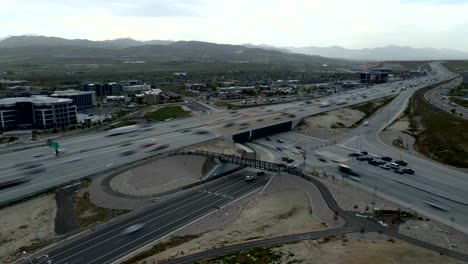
[80,99]
[39,112]
[136,88]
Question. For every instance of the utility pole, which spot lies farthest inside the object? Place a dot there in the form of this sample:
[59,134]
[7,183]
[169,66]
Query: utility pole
[373,200]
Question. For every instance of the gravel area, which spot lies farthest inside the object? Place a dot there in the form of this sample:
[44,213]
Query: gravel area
[160,175]
[347,196]
[436,233]
[221,146]
[263,215]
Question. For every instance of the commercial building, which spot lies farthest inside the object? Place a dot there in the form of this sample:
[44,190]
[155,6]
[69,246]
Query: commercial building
[235,89]
[136,88]
[465,79]
[80,99]
[152,96]
[39,112]
[9,83]
[195,87]
[102,89]
[373,77]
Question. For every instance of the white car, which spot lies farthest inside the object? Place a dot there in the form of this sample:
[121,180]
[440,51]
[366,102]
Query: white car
[248,178]
[394,165]
[132,229]
[385,167]
[366,123]
[375,156]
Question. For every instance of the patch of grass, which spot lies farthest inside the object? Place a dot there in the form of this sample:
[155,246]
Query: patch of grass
[439,135]
[369,108]
[460,90]
[88,214]
[167,112]
[256,255]
[459,101]
[160,247]
[337,125]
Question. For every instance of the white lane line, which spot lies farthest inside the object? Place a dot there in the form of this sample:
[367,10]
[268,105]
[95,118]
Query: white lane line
[203,208]
[138,220]
[110,164]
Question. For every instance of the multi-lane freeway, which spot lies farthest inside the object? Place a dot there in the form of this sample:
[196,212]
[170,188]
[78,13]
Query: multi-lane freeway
[110,242]
[96,152]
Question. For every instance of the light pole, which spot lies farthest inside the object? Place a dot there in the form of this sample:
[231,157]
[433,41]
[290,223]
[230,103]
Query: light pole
[29,258]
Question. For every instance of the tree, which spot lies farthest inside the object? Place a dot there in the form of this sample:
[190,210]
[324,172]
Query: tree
[63,129]
[54,130]
[355,207]
[34,134]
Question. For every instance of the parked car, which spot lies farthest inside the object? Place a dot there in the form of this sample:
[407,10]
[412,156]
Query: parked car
[385,167]
[386,159]
[401,162]
[408,171]
[249,178]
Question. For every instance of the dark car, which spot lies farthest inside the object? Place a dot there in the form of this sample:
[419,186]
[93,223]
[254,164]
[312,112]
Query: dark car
[354,155]
[260,173]
[279,141]
[401,162]
[373,162]
[386,159]
[289,160]
[408,171]
[268,139]
[284,158]
[364,152]
[160,147]
[127,153]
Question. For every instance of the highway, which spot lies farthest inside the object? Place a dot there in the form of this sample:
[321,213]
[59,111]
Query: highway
[108,243]
[431,180]
[439,98]
[94,153]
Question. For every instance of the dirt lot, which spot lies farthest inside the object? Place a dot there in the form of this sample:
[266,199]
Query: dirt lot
[349,251]
[26,226]
[330,124]
[270,215]
[220,146]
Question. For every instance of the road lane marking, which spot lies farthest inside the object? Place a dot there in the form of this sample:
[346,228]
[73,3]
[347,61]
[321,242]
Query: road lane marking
[229,183]
[110,164]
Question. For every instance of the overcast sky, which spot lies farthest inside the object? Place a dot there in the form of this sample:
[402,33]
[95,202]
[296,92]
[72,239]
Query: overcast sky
[351,24]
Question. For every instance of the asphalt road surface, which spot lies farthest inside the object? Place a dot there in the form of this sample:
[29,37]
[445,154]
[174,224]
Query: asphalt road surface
[109,244]
[94,153]
[439,98]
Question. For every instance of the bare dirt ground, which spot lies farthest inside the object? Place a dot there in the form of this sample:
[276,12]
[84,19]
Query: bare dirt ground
[437,234]
[330,124]
[160,175]
[26,225]
[270,215]
[350,251]
[220,146]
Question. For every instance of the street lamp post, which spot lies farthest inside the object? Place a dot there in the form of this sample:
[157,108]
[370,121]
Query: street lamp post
[29,258]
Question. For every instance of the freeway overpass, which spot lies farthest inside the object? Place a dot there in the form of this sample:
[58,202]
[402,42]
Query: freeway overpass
[94,153]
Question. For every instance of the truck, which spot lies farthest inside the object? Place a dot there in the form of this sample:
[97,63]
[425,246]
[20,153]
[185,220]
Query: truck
[122,130]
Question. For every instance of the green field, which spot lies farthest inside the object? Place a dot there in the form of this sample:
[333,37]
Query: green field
[439,135]
[167,112]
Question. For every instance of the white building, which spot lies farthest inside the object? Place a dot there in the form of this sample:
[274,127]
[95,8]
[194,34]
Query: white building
[136,88]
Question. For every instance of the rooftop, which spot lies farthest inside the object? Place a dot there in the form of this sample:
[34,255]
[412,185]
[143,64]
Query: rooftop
[38,100]
[70,92]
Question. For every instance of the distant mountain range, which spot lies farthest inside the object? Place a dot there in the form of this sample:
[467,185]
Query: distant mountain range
[169,49]
[387,53]
[154,50]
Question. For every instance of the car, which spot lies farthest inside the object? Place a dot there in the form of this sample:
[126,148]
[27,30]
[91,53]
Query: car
[394,165]
[366,123]
[354,154]
[401,162]
[260,173]
[375,156]
[373,162]
[436,204]
[147,145]
[268,139]
[284,158]
[385,167]
[289,160]
[160,147]
[398,171]
[127,152]
[134,228]
[361,158]
[248,178]
[408,171]
[346,169]
[279,141]
[298,147]
[364,153]
[386,159]
[279,149]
